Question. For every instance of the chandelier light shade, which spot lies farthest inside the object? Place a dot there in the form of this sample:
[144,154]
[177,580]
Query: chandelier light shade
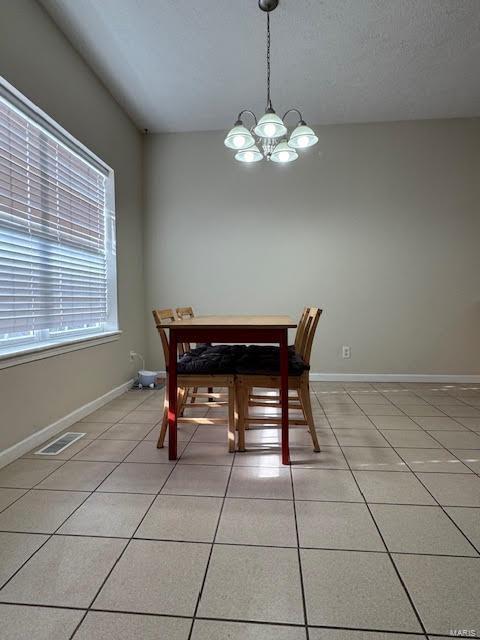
[252,154]
[239,137]
[283,152]
[268,137]
[270,126]
[302,137]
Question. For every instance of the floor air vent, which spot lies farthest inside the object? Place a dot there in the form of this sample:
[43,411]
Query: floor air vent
[60,444]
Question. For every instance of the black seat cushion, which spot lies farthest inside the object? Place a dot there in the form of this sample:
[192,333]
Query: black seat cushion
[210,360]
[265,360]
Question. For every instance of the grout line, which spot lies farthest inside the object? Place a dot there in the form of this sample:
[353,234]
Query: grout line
[200,593]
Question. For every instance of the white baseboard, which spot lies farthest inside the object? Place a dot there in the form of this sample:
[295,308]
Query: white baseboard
[393,377]
[39,437]
[387,377]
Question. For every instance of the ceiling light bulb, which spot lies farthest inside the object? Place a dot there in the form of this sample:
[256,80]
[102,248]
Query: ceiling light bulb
[269,130]
[239,141]
[302,137]
[283,153]
[252,154]
[239,137]
[248,156]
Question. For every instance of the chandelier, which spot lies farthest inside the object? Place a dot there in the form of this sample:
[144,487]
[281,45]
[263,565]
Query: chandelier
[269,133]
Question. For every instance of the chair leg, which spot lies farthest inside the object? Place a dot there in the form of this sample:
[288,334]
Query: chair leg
[241,394]
[194,391]
[304,393]
[163,428]
[231,418]
[182,400]
[248,393]
[210,390]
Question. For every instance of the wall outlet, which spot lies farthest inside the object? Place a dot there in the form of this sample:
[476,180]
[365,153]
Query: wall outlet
[132,355]
[346,351]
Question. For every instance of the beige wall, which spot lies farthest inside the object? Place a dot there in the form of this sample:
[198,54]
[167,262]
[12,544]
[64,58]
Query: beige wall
[39,62]
[378,224]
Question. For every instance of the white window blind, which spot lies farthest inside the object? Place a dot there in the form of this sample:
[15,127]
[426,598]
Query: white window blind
[57,240]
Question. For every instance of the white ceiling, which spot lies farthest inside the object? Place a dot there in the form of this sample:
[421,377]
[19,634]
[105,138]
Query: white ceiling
[185,65]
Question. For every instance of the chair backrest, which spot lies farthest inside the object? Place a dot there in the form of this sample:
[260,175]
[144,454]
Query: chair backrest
[184,313]
[311,322]
[161,316]
[300,334]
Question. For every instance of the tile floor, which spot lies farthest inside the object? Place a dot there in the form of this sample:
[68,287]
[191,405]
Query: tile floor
[376,537]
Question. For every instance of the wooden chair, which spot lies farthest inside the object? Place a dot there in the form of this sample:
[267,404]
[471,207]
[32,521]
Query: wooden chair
[185,313]
[186,382]
[245,383]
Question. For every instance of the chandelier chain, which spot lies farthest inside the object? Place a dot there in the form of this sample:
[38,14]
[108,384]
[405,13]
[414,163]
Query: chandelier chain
[269,101]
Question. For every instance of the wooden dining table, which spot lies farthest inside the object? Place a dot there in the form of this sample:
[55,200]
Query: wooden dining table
[228,329]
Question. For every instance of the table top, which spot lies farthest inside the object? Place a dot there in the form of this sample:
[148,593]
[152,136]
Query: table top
[233,322]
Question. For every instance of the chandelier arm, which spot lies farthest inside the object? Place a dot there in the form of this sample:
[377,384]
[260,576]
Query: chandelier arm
[239,118]
[297,111]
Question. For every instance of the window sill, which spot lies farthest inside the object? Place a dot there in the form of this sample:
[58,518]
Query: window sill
[41,352]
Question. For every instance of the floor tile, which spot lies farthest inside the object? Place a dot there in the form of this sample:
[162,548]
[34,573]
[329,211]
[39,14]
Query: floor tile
[15,549]
[106,451]
[355,589]
[142,417]
[453,490]
[360,438]
[268,455]
[105,415]
[431,581]
[381,410]
[374,459]
[351,422]
[184,433]
[325,484]
[66,571]
[468,519]
[396,488]
[99,625]
[461,411]
[38,623]
[266,585]
[432,460]
[260,482]
[471,423]
[24,474]
[336,525]
[206,453]
[92,429]
[217,630]
[419,411]
[76,475]
[327,458]
[197,480]
[348,634]
[211,433]
[414,529]
[408,438]
[146,451]
[66,454]
[439,424]
[126,431]
[40,511]
[469,458]
[261,522]
[176,567]
[7,496]
[300,436]
[395,422]
[186,518]
[136,478]
[458,439]
[108,514]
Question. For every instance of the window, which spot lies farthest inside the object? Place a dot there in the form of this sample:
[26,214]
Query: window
[57,233]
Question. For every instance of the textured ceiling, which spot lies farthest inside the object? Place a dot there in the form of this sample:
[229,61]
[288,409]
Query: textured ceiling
[185,65]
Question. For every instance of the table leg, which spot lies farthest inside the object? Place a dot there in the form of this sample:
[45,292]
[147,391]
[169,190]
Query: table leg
[172,396]
[284,395]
